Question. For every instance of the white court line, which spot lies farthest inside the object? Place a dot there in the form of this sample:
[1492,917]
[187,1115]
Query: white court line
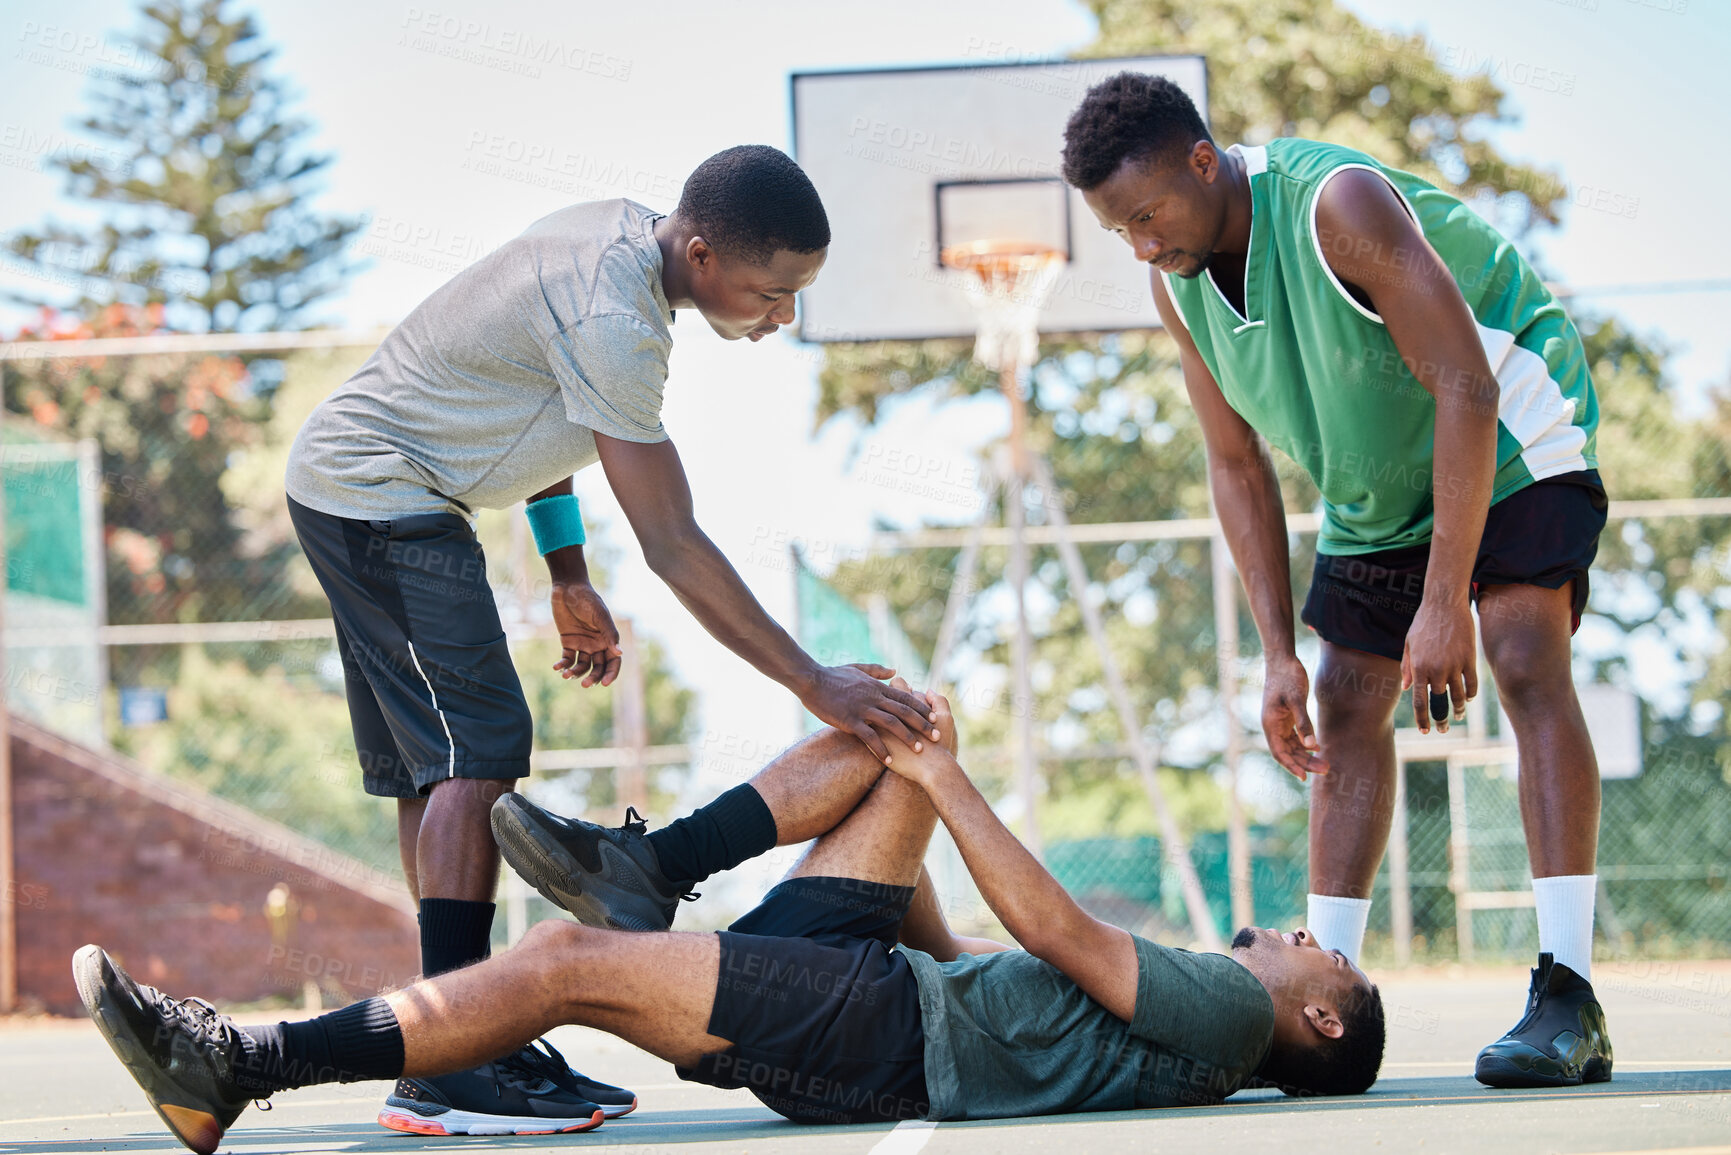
[152,1114]
[1465,1065]
[906,1138]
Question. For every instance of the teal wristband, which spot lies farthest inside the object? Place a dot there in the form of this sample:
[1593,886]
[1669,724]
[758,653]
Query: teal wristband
[556,522]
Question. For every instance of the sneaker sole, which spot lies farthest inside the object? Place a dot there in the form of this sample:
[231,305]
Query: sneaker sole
[402,1117]
[551,869]
[1496,1071]
[196,1128]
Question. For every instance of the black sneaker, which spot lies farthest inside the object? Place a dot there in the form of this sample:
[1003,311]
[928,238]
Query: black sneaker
[613,1101]
[509,1096]
[1560,1042]
[190,1060]
[606,876]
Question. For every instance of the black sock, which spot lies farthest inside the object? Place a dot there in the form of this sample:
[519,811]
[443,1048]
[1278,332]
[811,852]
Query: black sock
[717,837]
[454,933]
[361,1041]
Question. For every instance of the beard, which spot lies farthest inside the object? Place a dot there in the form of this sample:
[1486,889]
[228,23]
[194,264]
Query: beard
[1244,939]
[1203,261]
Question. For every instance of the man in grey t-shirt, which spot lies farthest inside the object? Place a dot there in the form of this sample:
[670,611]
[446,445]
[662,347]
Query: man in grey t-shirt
[540,359]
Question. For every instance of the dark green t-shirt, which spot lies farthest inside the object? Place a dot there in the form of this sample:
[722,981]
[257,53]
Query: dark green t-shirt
[1008,1034]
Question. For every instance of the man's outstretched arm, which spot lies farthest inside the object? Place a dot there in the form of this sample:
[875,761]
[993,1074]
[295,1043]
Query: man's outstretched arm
[1373,244]
[1097,956]
[1247,499]
[650,484]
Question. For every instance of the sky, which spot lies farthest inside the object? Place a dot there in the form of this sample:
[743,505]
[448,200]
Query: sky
[423,109]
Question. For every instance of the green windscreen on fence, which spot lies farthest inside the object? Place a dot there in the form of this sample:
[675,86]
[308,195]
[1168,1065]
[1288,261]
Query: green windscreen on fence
[54,669]
[44,521]
[835,631]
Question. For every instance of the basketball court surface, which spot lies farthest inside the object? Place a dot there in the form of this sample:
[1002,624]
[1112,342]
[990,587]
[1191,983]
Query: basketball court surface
[61,1090]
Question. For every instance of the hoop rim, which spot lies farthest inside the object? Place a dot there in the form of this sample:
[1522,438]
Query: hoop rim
[982,256]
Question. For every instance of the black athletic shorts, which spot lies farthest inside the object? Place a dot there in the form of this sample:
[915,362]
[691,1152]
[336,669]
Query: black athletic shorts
[824,1017]
[1544,535]
[431,688]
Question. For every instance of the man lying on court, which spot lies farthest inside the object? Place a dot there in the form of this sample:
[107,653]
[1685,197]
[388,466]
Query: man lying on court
[807,1001]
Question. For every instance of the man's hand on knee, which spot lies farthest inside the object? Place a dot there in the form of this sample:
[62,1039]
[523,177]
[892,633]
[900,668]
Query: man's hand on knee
[938,756]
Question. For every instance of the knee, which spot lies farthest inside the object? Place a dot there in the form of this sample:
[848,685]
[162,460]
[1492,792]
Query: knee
[1528,677]
[556,938]
[1351,698]
[469,792]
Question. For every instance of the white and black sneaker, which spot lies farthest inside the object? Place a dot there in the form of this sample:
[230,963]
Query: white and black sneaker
[191,1061]
[515,1095]
[607,876]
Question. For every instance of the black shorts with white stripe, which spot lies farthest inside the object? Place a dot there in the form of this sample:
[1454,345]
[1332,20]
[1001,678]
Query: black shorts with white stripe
[432,691]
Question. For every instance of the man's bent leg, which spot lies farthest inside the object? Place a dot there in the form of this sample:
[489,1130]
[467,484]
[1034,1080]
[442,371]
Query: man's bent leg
[825,1018]
[804,791]
[882,839]
[1352,806]
[631,879]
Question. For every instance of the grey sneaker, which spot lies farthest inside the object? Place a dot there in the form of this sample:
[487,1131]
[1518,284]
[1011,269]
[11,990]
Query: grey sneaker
[607,876]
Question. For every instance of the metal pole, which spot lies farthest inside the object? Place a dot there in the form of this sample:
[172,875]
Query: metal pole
[961,588]
[8,887]
[90,491]
[631,720]
[1172,839]
[1022,703]
[1460,877]
[1238,867]
[1399,878]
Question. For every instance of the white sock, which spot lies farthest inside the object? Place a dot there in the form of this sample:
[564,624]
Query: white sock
[1565,907]
[1338,923]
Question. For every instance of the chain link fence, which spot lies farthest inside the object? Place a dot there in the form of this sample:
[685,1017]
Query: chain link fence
[182,627]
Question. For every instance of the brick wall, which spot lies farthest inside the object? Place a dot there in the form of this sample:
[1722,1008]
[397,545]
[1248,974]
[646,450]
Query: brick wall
[191,894]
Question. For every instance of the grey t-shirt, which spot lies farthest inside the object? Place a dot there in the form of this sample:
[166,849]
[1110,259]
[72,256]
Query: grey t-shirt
[494,387]
[1009,1034]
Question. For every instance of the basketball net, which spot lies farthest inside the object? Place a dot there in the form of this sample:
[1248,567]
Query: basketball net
[1008,284]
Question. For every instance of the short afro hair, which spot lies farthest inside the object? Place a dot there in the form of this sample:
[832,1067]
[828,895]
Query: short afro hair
[753,201]
[1343,1066]
[1130,116]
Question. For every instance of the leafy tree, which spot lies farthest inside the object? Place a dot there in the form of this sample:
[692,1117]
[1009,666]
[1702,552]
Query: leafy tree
[208,215]
[206,225]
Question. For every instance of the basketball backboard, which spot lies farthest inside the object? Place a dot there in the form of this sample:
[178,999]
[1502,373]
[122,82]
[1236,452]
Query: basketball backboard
[912,161]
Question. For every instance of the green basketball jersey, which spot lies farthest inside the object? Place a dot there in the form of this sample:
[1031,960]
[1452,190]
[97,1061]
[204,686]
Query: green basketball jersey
[1317,374]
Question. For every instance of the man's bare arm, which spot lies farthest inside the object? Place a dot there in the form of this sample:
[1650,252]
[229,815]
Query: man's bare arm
[1253,518]
[650,485]
[1372,243]
[1097,956]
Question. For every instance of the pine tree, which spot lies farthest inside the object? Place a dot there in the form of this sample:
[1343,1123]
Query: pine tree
[208,215]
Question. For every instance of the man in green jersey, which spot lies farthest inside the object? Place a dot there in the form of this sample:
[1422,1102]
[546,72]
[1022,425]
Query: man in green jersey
[1397,347]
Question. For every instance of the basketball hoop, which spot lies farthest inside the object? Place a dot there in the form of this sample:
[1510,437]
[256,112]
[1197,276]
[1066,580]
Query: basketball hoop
[1010,285]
